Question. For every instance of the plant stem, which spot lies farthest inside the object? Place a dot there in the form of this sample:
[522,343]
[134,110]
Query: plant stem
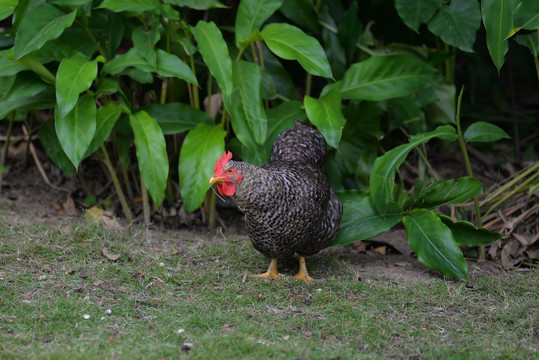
[104,155]
[469,170]
[308,84]
[3,160]
[194,88]
[494,196]
[145,202]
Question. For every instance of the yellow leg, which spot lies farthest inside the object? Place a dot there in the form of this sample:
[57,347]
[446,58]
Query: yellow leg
[272,273]
[302,273]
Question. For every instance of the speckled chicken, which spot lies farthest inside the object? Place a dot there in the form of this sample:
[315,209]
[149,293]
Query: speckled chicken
[288,204]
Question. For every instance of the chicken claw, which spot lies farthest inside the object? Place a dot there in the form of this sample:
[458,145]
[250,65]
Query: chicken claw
[302,273]
[272,273]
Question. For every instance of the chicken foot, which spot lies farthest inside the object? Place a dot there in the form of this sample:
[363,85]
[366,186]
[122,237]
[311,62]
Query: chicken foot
[272,273]
[302,273]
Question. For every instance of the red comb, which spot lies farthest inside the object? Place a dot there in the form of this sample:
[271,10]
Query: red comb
[222,161]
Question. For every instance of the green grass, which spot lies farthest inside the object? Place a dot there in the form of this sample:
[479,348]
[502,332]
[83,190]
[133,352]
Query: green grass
[51,276]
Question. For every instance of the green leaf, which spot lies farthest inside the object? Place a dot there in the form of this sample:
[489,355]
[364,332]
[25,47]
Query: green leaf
[527,15]
[144,42]
[383,77]
[28,91]
[201,148]
[527,40]
[466,234]
[151,154]
[43,23]
[281,118]
[457,23]
[302,13]
[175,118]
[31,62]
[349,30]
[76,130]
[136,6]
[197,4]
[326,114]
[291,43]
[498,22]
[415,13]
[169,65]
[104,122]
[6,82]
[360,221]
[74,75]
[213,48]
[53,148]
[130,59]
[8,66]
[251,14]
[484,132]
[7,7]
[434,244]
[443,110]
[382,180]
[248,79]
[452,191]
[108,85]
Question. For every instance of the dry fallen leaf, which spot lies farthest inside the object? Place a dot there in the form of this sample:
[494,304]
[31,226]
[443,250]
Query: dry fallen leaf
[112,257]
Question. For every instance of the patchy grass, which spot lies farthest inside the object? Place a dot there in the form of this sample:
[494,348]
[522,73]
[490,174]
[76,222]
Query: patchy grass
[51,278]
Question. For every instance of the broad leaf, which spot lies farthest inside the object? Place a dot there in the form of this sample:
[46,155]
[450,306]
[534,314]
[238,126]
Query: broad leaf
[498,21]
[302,13]
[130,59]
[247,77]
[291,43]
[151,154]
[74,76]
[326,114]
[527,15]
[197,4]
[76,130]
[201,148]
[281,118]
[384,77]
[53,148]
[528,40]
[452,191]
[31,62]
[8,66]
[484,132]
[144,42]
[349,30]
[382,180]
[43,23]
[213,48]
[415,13]
[443,110]
[360,220]
[7,7]
[170,65]
[251,14]
[434,244]
[466,234]
[136,6]
[28,91]
[104,122]
[457,23]
[175,118]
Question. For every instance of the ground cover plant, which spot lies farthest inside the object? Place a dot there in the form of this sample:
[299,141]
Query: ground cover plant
[173,297]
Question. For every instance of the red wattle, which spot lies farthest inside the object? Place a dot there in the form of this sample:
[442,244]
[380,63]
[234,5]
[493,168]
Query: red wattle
[226,188]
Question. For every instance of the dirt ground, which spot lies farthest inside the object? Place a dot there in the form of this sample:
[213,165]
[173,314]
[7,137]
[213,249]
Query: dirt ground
[26,197]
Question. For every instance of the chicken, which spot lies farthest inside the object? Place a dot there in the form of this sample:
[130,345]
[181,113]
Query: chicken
[288,204]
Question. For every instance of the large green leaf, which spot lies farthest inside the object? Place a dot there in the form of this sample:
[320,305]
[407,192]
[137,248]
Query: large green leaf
[43,23]
[151,154]
[360,220]
[31,62]
[452,191]
[28,91]
[434,244]
[281,118]
[175,118]
[104,122]
[528,40]
[498,21]
[326,114]
[302,13]
[130,59]
[213,48]
[382,180]
[251,14]
[8,66]
[383,77]
[144,42]
[349,30]
[197,4]
[169,65]
[136,6]
[76,130]
[443,110]
[415,13]
[247,77]
[53,148]
[74,75]
[201,148]
[527,15]
[457,23]
[7,7]
[291,43]
[484,132]
[466,234]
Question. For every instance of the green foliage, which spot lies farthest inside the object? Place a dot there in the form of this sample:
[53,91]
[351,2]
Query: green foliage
[150,75]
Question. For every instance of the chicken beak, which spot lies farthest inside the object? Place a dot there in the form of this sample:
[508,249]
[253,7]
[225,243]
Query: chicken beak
[215,179]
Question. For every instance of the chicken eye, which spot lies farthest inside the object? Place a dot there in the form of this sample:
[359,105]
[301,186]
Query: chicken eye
[229,171]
